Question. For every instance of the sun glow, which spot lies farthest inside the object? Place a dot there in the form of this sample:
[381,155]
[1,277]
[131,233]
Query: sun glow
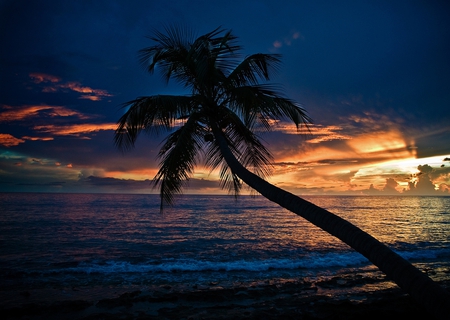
[139,175]
[383,158]
[405,166]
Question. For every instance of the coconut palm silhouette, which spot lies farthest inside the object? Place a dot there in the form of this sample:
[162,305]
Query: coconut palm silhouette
[218,124]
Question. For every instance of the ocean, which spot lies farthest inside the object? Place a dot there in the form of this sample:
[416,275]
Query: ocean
[66,246]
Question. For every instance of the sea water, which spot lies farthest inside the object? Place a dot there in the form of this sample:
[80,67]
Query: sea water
[87,241]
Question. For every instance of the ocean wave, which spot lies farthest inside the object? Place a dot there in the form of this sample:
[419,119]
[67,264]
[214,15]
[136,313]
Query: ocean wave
[429,254]
[313,261]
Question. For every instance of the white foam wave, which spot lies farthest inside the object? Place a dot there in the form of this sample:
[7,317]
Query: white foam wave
[309,262]
[425,254]
[313,261]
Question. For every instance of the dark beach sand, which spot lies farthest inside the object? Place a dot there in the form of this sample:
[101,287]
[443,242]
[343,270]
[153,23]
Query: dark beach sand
[334,298]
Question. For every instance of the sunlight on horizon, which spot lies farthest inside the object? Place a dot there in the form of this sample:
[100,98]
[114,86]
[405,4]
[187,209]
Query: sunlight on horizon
[408,165]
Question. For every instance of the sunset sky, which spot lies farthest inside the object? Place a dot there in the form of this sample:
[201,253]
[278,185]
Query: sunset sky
[373,75]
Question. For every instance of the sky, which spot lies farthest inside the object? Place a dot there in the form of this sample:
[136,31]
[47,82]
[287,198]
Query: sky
[373,75]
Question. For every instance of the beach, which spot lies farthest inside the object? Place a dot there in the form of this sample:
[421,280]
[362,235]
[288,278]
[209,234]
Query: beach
[334,299]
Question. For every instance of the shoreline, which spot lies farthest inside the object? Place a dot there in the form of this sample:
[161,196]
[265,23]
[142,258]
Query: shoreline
[334,298]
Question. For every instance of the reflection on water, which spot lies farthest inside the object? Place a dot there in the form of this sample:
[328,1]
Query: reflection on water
[68,238]
[79,225]
[393,219]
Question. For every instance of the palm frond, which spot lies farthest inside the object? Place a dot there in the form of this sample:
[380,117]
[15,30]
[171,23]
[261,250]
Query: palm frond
[169,52]
[178,158]
[150,114]
[190,61]
[252,153]
[262,104]
[225,52]
[253,69]
[245,146]
[210,57]
[214,159]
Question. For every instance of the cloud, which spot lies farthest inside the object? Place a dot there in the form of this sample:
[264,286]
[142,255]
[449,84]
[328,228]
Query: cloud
[429,181]
[19,113]
[287,40]
[90,97]
[277,44]
[326,133]
[23,170]
[132,185]
[38,138]
[8,140]
[359,151]
[75,129]
[444,188]
[390,186]
[53,84]
[43,78]
[421,184]
[425,169]
[117,183]
[391,143]
[314,133]
[22,113]
[88,92]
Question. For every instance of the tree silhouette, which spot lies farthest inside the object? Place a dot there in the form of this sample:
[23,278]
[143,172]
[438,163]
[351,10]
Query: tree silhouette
[217,124]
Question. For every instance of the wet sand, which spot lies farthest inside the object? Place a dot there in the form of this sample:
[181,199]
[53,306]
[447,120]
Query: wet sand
[335,298]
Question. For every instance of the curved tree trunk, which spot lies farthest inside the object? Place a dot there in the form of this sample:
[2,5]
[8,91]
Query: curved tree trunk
[424,290]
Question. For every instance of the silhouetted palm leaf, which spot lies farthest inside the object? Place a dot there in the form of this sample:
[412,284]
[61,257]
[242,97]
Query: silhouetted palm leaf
[178,158]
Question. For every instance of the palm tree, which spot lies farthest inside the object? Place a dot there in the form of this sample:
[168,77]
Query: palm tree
[218,124]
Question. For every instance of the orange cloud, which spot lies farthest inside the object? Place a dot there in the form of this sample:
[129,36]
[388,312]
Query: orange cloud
[38,138]
[91,94]
[25,112]
[8,140]
[345,165]
[75,129]
[43,77]
[92,98]
[392,145]
[319,133]
[54,85]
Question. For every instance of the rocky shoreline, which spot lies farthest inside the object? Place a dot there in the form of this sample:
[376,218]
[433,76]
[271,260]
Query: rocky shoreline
[266,300]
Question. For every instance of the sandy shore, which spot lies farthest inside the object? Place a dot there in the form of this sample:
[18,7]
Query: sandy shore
[331,299]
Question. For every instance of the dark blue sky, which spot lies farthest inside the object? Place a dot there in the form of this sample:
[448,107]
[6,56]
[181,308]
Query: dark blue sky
[370,73]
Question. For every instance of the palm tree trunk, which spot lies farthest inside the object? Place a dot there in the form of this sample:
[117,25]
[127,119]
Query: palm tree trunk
[424,290]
